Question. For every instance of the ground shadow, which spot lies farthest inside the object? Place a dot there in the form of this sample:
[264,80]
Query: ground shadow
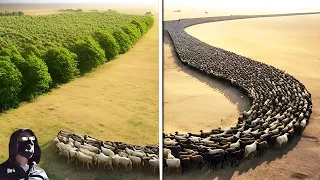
[57,168]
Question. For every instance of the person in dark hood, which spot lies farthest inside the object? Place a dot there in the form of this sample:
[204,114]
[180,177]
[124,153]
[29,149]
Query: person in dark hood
[24,154]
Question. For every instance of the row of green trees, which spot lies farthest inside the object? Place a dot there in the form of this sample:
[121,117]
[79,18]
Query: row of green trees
[14,13]
[28,74]
[70,10]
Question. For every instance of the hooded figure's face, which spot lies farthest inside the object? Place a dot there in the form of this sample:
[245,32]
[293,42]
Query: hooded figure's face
[26,145]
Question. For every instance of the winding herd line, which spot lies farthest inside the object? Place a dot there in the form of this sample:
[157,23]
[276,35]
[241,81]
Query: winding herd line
[92,152]
[281,105]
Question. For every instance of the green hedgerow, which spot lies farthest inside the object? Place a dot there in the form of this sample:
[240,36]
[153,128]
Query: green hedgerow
[35,73]
[123,40]
[108,43]
[141,26]
[10,78]
[133,32]
[62,64]
[89,54]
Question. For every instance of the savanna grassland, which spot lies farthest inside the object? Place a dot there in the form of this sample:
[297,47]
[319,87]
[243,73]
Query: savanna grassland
[109,89]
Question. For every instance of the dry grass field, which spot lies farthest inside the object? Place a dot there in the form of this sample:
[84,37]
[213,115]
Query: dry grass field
[118,101]
[291,44]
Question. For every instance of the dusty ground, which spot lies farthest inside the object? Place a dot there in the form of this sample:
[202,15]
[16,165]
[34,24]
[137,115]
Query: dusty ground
[288,43]
[203,10]
[118,101]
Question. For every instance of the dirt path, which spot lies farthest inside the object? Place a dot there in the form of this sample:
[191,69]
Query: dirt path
[288,43]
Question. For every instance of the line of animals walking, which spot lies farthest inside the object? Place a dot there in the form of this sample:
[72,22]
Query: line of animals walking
[91,152]
[281,105]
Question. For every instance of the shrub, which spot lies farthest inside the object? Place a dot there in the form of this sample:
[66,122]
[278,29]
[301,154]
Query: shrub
[16,58]
[141,26]
[37,77]
[108,43]
[89,54]
[10,78]
[149,21]
[30,49]
[62,64]
[123,40]
[14,55]
[132,31]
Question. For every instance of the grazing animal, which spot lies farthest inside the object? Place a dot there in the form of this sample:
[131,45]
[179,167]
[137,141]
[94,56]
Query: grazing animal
[262,148]
[251,148]
[85,159]
[105,160]
[155,164]
[237,156]
[215,151]
[235,145]
[282,140]
[107,152]
[173,163]
[135,160]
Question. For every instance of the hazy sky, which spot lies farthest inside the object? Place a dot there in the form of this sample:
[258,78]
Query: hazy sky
[244,4]
[82,1]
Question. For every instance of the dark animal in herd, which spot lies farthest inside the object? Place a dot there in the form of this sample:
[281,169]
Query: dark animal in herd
[281,105]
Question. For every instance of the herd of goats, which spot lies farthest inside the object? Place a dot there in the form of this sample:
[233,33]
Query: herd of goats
[281,109]
[92,152]
[281,105]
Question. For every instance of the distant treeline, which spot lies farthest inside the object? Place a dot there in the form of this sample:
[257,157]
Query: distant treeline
[14,13]
[70,10]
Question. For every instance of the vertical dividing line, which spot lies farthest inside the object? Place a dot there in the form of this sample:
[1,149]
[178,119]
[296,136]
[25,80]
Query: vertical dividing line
[160,12]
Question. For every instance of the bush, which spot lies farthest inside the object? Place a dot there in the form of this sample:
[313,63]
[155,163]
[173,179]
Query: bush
[123,40]
[89,54]
[108,43]
[62,64]
[149,21]
[14,55]
[141,26]
[16,58]
[37,77]
[30,49]
[10,78]
[132,31]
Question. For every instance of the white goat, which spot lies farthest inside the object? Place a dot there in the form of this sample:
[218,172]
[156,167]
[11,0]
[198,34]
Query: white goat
[282,140]
[251,148]
[135,160]
[236,144]
[107,152]
[173,163]
[105,160]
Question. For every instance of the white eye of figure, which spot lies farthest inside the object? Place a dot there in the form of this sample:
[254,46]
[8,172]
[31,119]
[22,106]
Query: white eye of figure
[24,138]
[32,138]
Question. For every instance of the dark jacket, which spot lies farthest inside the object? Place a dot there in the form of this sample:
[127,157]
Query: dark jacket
[9,170]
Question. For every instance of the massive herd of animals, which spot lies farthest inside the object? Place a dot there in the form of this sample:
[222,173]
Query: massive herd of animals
[281,109]
[92,152]
[281,105]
